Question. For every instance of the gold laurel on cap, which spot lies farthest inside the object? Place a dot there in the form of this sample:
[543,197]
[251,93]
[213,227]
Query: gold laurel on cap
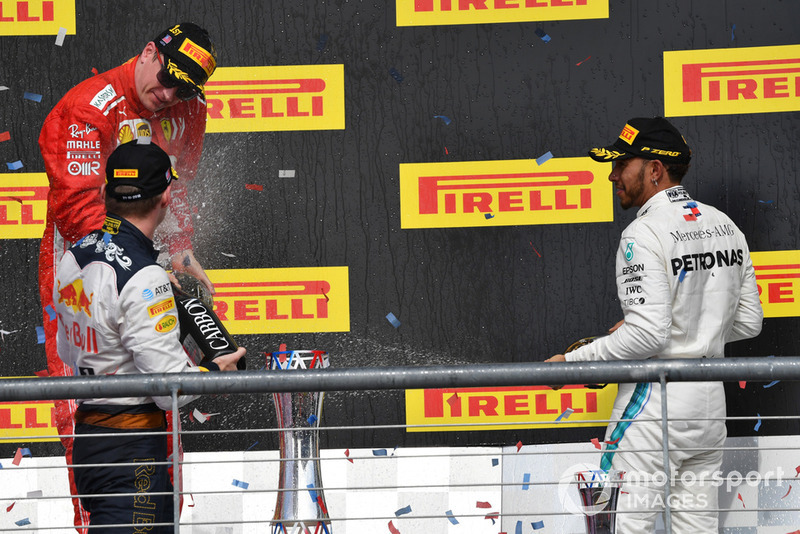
[606,154]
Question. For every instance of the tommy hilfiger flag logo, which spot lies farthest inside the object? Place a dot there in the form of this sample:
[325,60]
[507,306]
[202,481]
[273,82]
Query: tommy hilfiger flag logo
[695,212]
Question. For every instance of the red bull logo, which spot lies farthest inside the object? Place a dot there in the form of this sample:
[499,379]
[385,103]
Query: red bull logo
[74,296]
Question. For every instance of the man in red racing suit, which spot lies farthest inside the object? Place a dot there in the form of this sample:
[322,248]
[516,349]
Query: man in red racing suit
[156,95]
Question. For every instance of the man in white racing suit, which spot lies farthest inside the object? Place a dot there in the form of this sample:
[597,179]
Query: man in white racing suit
[117,315]
[687,287]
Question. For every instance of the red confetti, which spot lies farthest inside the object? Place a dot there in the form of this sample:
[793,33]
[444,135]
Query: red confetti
[445,151]
[742,384]
[797,471]
[254,187]
[482,504]
[739,496]
[94,71]
[596,443]
[322,505]
[787,493]
[4,136]
[612,442]
[393,529]
[534,249]
[578,64]
[191,505]
[347,453]
[519,445]
[11,506]
[17,457]
[492,516]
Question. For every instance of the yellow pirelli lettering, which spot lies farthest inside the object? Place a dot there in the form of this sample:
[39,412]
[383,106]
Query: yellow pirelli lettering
[436,410]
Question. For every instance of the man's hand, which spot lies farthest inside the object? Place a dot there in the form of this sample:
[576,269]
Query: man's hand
[556,358]
[227,362]
[185,262]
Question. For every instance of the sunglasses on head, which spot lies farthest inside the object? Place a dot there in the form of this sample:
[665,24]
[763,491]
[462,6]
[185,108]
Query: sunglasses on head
[184,92]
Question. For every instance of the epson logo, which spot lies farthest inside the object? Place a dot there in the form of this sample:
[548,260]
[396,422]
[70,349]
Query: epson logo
[633,268]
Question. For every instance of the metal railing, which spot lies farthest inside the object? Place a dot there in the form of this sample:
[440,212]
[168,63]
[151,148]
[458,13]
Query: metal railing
[401,378]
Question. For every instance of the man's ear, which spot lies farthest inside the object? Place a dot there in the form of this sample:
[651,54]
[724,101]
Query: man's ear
[166,196]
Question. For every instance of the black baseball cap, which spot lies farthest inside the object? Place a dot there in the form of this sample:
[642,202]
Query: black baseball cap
[139,164]
[189,54]
[646,138]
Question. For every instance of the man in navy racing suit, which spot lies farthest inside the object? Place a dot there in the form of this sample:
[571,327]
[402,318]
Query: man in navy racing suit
[687,287]
[117,315]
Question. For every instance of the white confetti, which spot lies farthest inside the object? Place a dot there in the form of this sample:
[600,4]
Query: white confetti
[228,255]
[286,173]
[62,32]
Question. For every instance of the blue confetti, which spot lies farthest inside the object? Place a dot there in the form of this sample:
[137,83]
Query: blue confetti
[50,311]
[733,36]
[323,41]
[251,446]
[312,419]
[537,525]
[542,35]
[446,120]
[240,484]
[22,522]
[392,319]
[403,511]
[35,97]
[544,157]
[771,384]
[495,462]
[566,414]
[39,335]
[489,216]
[682,275]
[518,530]
[312,492]
[758,424]
[379,452]
[451,517]
[526,478]
[396,75]
[14,165]
[766,201]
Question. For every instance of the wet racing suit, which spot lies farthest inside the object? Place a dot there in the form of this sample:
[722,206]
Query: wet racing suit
[687,287]
[116,315]
[77,137]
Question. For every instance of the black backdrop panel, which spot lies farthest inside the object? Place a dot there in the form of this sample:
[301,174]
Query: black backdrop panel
[462,295]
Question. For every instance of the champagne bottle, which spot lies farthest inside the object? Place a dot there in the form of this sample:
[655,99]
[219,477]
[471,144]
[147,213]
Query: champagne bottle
[203,335]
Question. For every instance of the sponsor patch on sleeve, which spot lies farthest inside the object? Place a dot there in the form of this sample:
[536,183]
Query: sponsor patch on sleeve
[102,98]
[166,324]
[161,307]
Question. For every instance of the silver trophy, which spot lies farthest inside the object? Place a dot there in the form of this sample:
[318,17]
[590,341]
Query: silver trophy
[301,502]
[599,491]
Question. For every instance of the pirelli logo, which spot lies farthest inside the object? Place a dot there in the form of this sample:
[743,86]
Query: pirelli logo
[504,193]
[28,421]
[161,307]
[441,12]
[503,408]
[23,205]
[778,279]
[732,80]
[266,99]
[36,17]
[282,301]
